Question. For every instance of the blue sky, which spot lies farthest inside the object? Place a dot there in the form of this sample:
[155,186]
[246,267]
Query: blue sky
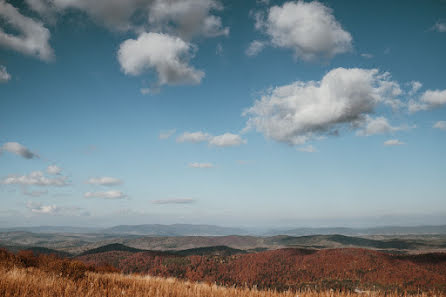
[248,113]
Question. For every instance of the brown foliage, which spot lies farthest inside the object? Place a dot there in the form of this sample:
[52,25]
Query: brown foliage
[341,269]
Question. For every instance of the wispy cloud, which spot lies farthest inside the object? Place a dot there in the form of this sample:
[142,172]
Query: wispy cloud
[112,194]
[201,165]
[104,181]
[175,201]
[393,142]
[440,125]
[36,178]
[307,149]
[4,75]
[166,134]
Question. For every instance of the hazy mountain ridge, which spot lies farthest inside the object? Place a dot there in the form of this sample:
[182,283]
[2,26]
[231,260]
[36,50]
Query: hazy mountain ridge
[213,230]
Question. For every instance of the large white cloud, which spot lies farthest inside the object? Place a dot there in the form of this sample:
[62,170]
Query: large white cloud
[167,55]
[300,111]
[33,37]
[36,178]
[18,149]
[112,194]
[4,75]
[307,28]
[104,181]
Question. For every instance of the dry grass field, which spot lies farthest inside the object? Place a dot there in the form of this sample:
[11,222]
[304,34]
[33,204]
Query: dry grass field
[27,282]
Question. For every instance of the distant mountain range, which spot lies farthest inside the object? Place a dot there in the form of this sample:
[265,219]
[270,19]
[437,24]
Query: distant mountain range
[211,230]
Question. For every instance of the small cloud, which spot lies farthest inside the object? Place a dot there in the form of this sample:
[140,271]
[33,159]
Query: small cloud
[201,165]
[193,137]
[439,27]
[254,48]
[145,91]
[244,162]
[226,140]
[367,56]
[175,201]
[415,87]
[4,75]
[35,193]
[440,125]
[53,169]
[307,149]
[378,125]
[18,149]
[42,209]
[430,99]
[219,50]
[166,134]
[112,194]
[104,181]
[393,142]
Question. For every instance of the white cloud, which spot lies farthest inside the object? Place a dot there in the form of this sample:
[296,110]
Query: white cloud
[440,125]
[165,54]
[33,39]
[439,27]
[104,181]
[307,28]
[201,165]
[18,149]
[38,208]
[367,56]
[112,194]
[393,142]
[254,48]
[42,209]
[193,137]
[166,134]
[301,111]
[174,201]
[35,193]
[4,75]
[188,18]
[429,99]
[114,14]
[36,178]
[307,149]
[53,169]
[226,139]
[378,125]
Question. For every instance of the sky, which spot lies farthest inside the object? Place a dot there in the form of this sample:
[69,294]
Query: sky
[236,113]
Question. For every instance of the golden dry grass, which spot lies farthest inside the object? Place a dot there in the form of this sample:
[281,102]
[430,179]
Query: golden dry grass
[27,282]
